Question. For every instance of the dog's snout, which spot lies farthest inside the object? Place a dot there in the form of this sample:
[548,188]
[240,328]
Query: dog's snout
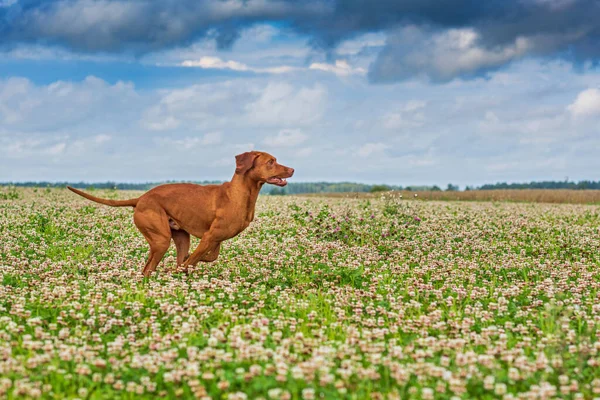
[291,171]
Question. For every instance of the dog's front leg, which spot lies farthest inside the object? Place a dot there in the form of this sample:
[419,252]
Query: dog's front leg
[211,255]
[207,250]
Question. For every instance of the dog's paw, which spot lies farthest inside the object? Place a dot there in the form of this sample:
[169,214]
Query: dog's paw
[180,269]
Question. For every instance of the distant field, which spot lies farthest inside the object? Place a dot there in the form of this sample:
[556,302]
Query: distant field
[321,298]
[521,195]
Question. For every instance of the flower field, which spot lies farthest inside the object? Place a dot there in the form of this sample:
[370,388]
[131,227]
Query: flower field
[318,299]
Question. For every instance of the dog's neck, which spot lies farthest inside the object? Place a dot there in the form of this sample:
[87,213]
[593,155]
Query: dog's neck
[247,190]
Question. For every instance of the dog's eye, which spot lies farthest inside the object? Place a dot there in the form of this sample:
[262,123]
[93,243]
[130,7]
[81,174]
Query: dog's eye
[270,162]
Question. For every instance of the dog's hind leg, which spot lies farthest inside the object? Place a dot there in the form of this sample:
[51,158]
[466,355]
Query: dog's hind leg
[182,244]
[153,223]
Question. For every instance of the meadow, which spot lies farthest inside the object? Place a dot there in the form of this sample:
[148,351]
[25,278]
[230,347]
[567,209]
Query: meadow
[558,196]
[320,298]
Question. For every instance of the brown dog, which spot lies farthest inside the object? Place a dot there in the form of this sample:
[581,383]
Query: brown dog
[213,213]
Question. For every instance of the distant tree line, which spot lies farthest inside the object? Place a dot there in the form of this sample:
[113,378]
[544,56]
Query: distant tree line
[99,185]
[581,185]
[322,187]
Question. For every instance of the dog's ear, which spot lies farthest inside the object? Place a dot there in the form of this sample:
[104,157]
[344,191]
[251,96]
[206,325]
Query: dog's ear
[244,161]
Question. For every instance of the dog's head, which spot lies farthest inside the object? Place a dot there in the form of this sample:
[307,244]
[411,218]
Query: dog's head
[262,167]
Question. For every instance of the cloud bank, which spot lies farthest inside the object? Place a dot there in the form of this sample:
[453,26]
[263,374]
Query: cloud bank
[436,39]
[531,122]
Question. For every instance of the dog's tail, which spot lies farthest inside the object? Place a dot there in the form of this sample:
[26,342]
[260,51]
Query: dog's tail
[113,203]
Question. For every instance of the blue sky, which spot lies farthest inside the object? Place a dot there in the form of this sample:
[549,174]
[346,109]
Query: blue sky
[401,92]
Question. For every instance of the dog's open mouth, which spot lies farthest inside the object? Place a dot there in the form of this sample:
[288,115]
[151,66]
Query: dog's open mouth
[277,181]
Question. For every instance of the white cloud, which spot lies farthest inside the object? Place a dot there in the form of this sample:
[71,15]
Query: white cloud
[586,104]
[281,69]
[216,63]
[240,105]
[286,138]
[458,51]
[408,115]
[203,107]
[166,123]
[414,105]
[99,139]
[30,107]
[38,145]
[340,68]
[282,104]
[15,147]
[56,149]
[395,121]
[369,149]
[187,143]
